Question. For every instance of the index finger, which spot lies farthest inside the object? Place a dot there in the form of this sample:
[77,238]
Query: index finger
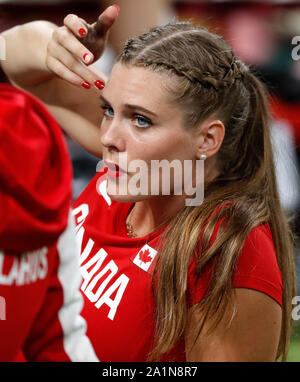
[76,25]
[106,20]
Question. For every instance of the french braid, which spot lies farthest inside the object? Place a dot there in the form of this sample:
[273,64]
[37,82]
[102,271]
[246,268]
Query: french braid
[225,77]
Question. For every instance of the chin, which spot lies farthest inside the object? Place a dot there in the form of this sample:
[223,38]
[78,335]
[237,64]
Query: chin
[127,198]
[121,198]
[121,193]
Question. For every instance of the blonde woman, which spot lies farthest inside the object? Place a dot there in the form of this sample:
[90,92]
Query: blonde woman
[163,280]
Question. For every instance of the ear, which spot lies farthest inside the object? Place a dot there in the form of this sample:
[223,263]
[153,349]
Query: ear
[209,138]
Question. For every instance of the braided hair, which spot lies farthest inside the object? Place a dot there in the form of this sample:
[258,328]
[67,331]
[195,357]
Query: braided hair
[136,51]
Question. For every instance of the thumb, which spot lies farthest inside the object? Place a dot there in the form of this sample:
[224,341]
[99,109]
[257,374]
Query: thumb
[106,20]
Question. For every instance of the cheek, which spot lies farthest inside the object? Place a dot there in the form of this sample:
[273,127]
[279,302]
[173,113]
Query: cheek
[160,147]
[175,148]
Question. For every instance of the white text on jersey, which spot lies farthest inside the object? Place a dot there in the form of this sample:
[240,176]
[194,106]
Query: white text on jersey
[93,271]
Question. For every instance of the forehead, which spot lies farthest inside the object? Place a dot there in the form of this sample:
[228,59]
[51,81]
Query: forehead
[138,86]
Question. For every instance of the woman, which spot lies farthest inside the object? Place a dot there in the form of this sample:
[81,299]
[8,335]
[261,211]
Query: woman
[163,280]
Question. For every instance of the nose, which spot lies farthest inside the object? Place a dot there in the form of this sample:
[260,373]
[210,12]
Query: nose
[111,135]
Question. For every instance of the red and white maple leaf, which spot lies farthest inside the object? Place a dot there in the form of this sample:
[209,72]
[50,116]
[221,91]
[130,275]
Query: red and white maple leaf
[144,256]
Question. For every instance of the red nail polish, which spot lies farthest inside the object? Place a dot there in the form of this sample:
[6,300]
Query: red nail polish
[87,58]
[117,7]
[86,85]
[82,32]
[100,85]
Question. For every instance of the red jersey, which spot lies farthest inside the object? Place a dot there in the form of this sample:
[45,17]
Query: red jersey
[117,275]
[40,302]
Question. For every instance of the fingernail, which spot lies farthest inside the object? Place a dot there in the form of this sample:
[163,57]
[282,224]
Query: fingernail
[82,32]
[116,6]
[100,85]
[87,58]
[86,85]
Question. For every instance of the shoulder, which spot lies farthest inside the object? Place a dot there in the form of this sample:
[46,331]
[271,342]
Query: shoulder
[259,245]
[256,268]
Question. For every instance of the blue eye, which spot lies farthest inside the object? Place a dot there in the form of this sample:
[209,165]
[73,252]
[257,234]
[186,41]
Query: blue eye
[138,120]
[108,111]
[142,122]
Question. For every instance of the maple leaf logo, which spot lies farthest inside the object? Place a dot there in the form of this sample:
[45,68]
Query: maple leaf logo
[144,256]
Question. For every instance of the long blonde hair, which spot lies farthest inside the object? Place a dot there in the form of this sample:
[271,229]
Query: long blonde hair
[210,80]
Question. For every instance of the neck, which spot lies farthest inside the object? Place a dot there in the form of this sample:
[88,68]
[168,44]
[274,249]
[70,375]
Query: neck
[147,215]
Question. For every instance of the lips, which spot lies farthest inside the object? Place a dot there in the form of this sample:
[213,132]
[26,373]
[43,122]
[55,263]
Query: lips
[113,168]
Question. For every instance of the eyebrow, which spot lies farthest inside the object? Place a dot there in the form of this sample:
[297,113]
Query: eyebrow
[132,107]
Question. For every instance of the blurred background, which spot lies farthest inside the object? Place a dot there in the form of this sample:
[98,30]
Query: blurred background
[262,33]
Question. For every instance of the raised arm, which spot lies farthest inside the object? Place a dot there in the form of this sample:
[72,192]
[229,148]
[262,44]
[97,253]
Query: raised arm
[48,61]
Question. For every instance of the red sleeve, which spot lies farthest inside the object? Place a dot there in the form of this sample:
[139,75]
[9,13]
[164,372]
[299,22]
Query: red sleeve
[257,268]
[59,331]
[45,340]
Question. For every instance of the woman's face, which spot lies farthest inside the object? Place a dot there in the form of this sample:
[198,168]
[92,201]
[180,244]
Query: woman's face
[140,123]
